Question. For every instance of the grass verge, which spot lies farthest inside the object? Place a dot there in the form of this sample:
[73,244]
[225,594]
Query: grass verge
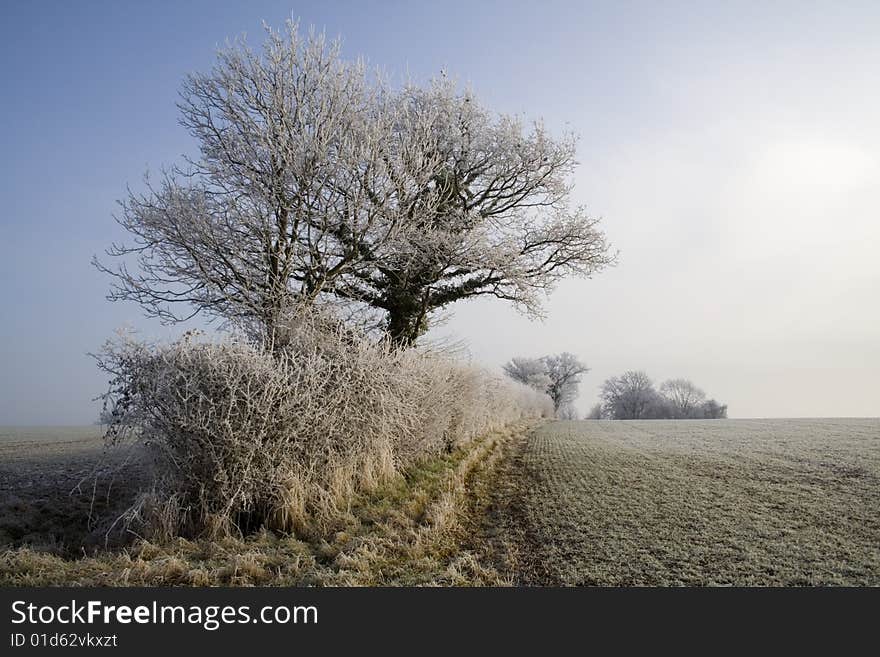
[416,530]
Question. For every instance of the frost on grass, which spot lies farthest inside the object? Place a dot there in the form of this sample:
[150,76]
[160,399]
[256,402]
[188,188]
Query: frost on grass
[738,502]
[282,437]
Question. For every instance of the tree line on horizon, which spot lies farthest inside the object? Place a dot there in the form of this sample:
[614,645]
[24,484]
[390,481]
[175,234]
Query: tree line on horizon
[630,396]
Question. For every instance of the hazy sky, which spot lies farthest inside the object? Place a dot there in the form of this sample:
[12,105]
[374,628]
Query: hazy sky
[733,150]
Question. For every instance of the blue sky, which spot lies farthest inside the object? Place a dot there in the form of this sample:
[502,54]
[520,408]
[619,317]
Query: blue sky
[731,148]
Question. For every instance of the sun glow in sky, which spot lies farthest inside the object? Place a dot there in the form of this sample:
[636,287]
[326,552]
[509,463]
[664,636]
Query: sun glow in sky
[732,150]
[822,171]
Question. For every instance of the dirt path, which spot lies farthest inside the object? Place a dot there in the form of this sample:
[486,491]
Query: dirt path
[691,503]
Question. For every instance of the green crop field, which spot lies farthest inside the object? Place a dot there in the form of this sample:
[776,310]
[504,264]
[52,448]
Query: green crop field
[736,502]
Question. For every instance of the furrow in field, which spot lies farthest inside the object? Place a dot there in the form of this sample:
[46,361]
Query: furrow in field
[671,503]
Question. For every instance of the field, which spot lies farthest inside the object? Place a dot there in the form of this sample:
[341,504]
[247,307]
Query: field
[733,502]
[742,502]
[60,490]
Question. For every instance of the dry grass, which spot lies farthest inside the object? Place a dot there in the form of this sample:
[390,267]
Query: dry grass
[284,436]
[775,502]
[607,503]
[412,530]
[323,458]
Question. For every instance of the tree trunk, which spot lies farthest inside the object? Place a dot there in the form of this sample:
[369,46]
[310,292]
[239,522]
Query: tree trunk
[407,319]
[402,327]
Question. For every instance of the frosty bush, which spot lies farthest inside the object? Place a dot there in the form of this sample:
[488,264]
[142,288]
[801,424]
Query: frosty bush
[284,435]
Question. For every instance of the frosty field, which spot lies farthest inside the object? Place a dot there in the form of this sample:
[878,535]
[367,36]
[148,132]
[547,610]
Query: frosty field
[50,496]
[716,502]
[760,502]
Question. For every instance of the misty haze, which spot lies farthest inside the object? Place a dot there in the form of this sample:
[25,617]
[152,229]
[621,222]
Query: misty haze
[590,299]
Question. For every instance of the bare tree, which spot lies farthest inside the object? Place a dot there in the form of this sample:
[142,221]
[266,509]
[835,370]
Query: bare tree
[632,396]
[712,410]
[316,180]
[683,396]
[628,396]
[596,412]
[301,154]
[503,227]
[558,376]
[658,408]
[564,371]
[530,371]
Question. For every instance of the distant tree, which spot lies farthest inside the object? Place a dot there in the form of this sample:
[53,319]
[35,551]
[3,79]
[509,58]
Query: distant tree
[712,410]
[658,408]
[564,371]
[558,376]
[595,413]
[567,412]
[631,396]
[628,396]
[530,371]
[683,396]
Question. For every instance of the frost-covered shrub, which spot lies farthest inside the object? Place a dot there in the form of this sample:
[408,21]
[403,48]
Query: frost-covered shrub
[282,436]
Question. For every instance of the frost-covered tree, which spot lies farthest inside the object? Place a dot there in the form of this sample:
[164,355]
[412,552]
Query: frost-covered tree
[530,371]
[712,410]
[301,158]
[557,375]
[504,225]
[631,396]
[316,180]
[596,412]
[683,397]
[565,371]
[628,396]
